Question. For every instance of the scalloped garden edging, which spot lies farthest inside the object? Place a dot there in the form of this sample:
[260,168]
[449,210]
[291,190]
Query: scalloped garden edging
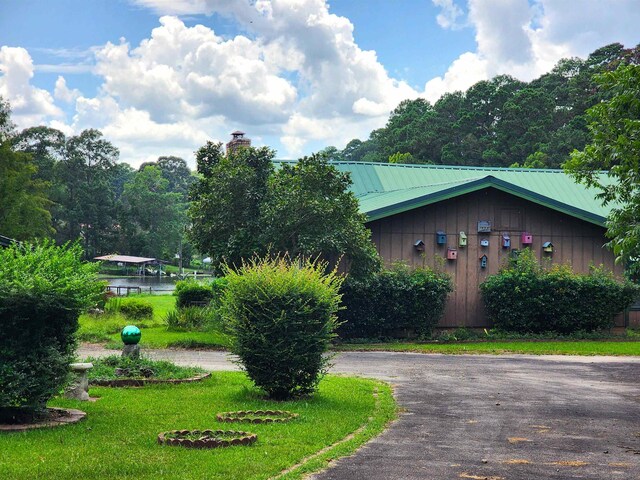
[140,382]
[206,438]
[257,416]
[61,416]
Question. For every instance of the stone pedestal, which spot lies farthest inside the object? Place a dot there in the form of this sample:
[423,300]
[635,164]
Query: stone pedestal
[131,351]
[79,387]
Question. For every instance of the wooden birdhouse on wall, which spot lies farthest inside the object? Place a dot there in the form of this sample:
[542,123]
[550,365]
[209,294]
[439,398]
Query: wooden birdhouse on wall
[484,226]
[526,238]
[462,239]
[419,245]
[483,261]
[452,254]
[506,241]
[484,242]
[547,247]
[441,237]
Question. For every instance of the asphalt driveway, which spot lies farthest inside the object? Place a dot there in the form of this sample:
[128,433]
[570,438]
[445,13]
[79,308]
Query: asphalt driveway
[492,417]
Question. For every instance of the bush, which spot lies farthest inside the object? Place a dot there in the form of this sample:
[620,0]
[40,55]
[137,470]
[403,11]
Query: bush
[192,318]
[526,298]
[282,317]
[218,287]
[135,309]
[190,292]
[43,290]
[393,303]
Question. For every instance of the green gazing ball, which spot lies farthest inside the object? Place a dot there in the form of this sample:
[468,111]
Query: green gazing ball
[130,335]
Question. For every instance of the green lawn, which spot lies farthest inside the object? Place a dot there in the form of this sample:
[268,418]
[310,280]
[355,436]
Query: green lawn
[605,347]
[118,439]
[106,328]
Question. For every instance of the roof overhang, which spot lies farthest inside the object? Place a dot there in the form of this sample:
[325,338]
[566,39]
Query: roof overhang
[474,185]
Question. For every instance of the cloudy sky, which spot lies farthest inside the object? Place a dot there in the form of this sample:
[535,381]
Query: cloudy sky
[161,77]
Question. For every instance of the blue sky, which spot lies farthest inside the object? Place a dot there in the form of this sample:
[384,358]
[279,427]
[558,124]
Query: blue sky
[160,77]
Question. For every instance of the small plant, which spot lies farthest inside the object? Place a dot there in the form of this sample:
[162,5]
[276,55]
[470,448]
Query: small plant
[257,416]
[135,309]
[116,367]
[192,318]
[281,316]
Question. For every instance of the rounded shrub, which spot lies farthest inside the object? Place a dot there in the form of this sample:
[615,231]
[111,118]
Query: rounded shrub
[43,290]
[190,292]
[281,317]
[526,298]
[136,309]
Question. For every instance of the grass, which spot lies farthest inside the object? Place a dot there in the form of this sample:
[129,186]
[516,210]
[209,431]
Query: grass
[118,439]
[106,328]
[579,347]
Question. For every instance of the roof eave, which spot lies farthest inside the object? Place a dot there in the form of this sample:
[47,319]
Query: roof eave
[475,185]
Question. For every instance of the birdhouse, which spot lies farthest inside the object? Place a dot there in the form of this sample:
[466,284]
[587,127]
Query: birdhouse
[484,226]
[506,241]
[484,242]
[547,247]
[483,261]
[452,254]
[526,238]
[419,245]
[462,239]
[441,237]
[514,253]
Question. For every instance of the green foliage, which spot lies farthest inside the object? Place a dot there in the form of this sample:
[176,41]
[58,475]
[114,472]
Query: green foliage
[242,208]
[282,317]
[24,213]
[191,291]
[153,217]
[615,147]
[525,298]
[226,201]
[43,289]
[497,122]
[192,318]
[393,303]
[309,211]
[136,309]
[143,367]
[218,287]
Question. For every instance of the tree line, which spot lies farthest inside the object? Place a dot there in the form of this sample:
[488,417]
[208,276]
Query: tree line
[502,122]
[74,188]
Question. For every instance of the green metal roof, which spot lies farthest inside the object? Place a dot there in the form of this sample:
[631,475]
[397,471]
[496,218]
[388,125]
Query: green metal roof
[385,189]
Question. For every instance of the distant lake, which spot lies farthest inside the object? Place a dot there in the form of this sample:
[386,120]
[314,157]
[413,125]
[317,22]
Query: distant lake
[148,284]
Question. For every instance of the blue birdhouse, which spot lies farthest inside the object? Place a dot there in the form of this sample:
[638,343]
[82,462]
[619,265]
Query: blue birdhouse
[441,237]
[484,242]
[483,261]
[506,241]
[547,247]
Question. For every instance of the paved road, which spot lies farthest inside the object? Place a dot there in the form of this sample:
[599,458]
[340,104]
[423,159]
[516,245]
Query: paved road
[491,417]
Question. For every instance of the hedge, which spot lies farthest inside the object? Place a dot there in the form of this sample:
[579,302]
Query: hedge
[526,298]
[189,292]
[393,303]
[43,289]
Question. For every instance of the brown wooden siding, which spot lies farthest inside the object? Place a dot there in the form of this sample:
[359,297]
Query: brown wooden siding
[576,242]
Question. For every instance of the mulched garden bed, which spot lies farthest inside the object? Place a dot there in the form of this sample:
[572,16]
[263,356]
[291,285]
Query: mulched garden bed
[53,417]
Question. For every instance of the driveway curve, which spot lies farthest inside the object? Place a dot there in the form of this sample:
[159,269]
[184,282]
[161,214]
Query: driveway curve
[510,417]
